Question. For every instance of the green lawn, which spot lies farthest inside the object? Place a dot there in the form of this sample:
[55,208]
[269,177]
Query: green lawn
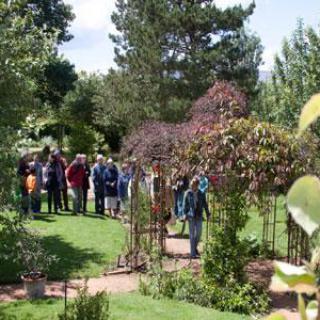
[84,245]
[123,307]
[254,227]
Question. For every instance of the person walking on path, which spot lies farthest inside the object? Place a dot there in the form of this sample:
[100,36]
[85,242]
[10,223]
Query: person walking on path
[111,187]
[98,182]
[53,182]
[37,165]
[23,173]
[75,176]
[86,182]
[64,189]
[194,204]
[123,184]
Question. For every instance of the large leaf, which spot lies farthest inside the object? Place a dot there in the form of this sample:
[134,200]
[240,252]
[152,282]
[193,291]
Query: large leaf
[304,203]
[310,113]
[276,316]
[291,278]
[312,310]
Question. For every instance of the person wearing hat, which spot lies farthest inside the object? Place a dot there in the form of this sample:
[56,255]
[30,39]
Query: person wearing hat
[75,176]
[111,187]
[194,203]
[98,182]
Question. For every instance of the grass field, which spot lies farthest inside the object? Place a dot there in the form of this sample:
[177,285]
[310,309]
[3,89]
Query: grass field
[123,307]
[84,245]
[254,227]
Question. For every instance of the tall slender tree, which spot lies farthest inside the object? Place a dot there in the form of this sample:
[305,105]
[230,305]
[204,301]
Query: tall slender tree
[24,50]
[295,78]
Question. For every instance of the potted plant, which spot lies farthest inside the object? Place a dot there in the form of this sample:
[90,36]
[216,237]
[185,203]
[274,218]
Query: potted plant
[35,261]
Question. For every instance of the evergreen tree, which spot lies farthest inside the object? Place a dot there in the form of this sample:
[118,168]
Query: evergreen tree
[54,83]
[50,15]
[175,49]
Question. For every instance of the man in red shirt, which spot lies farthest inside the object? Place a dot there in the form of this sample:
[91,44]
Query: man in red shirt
[75,176]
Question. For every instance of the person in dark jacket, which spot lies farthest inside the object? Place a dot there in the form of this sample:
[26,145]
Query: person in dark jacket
[53,182]
[123,184]
[23,173]
[194,204]
[75,176]
[98,182]
[111,187]
[64,189]
[86,183]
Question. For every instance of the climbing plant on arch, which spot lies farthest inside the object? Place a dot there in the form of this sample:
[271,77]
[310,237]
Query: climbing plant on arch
[252,160]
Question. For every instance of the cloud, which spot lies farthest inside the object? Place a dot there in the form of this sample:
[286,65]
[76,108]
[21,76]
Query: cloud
[230,3]
[268,58]
[92,14]
[92,58]
[91,49]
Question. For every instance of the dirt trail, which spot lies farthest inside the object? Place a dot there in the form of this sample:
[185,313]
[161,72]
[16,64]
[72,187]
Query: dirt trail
[114,283]
[259,271]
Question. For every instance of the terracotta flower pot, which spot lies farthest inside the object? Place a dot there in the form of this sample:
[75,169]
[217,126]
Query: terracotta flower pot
[35,285]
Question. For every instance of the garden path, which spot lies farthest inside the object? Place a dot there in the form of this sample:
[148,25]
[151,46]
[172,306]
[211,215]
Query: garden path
[114,283]
[177,250]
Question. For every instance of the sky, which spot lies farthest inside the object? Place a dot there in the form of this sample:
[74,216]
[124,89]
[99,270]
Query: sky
[92,50]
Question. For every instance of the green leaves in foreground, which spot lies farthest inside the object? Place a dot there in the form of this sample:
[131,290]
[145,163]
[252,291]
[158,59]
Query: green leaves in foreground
[303,202]
[310,312]
[306,313]
[310,113]
[291,278]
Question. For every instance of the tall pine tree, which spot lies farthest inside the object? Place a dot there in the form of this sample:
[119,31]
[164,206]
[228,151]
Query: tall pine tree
[176,49]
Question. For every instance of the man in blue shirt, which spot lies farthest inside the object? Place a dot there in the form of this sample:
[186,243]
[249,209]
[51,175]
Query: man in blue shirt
[194,204]
[111,187]
[123,184]
[98,181]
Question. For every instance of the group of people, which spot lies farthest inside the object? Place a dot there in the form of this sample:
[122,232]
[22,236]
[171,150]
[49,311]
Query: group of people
[111,189]
[60,179]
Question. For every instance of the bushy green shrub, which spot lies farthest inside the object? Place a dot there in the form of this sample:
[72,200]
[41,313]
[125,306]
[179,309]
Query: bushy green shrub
[184,286]
[84,139]
[221,284]
[81,140]
[86,307]
[224,258]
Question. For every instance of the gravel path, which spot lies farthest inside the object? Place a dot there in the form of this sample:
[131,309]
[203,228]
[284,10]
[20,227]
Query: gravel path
[178,249]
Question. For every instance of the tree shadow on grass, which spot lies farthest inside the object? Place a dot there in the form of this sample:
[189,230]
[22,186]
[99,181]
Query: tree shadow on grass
[44,217]
[71,261]
[6,314]
[8,310]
